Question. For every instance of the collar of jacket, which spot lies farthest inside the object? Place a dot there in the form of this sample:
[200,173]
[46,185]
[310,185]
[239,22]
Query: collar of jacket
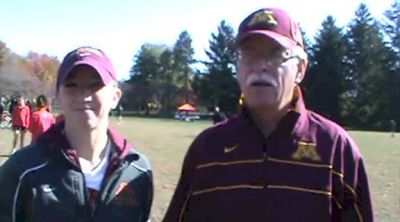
[292,123]
[55,140]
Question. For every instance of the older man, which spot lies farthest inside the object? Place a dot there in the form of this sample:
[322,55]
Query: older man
[276,160]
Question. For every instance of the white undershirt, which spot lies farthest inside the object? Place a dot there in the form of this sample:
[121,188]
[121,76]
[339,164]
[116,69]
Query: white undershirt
[94,177]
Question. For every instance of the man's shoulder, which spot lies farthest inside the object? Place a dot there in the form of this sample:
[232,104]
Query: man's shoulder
[218,135]
[322,121]
[227,126]
[325,126]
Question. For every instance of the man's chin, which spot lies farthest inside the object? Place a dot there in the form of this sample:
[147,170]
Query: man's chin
[261,104]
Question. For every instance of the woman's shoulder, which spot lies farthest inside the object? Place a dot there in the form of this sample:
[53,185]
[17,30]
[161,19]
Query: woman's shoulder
[24,159]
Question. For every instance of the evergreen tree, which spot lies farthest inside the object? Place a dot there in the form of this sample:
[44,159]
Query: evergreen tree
[217,86]
[183,58]
[365,103]
[391,27]
[325,78]
[3,49]
[145,77]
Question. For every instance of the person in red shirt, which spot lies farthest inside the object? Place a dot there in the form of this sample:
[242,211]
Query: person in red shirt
[41,119]
[1,112]
[20,121]
[29,105]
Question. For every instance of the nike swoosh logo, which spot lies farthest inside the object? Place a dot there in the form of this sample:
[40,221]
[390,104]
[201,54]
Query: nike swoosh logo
[46,188]
[229,149]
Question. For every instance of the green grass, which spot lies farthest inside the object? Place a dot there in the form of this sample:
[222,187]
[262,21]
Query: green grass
[382,156]
[165,143]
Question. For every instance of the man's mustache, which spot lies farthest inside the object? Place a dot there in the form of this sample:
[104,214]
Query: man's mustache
[257,79]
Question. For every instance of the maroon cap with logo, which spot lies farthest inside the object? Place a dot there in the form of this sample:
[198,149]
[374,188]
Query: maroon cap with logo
[90,56]
[273,23]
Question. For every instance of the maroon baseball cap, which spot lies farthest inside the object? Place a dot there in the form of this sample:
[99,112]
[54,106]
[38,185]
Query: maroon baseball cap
[273,23]
[90,56]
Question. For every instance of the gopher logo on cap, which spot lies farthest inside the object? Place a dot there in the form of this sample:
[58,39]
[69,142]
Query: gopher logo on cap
[264,18]
[88,51]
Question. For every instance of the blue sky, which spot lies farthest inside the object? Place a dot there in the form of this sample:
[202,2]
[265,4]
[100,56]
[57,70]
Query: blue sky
[120,27]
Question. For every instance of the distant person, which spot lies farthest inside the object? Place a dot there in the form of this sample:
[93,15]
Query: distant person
[29,104]
[80,170]
[49,108]
[1,112]
[392,127]
[59,118]
[41,119]
[20,122]
[218,116]
[276,160]
[11,104]
[1,108]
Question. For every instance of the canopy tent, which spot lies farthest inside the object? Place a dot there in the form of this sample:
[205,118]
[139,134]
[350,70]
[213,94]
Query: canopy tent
[187,107]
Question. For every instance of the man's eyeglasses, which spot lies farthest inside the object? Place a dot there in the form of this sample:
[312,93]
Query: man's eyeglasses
[272,58]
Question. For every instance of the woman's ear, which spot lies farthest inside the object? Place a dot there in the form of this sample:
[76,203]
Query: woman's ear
[116,97]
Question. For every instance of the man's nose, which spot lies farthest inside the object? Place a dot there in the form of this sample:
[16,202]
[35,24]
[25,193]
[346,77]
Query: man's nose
[260,64]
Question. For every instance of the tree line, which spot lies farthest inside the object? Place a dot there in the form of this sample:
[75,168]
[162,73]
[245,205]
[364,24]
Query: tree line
[353,75]
[28,75]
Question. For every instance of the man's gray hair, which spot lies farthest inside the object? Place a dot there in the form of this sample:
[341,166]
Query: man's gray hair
[298,52]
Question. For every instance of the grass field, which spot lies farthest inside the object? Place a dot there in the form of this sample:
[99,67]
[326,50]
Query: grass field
[165,143]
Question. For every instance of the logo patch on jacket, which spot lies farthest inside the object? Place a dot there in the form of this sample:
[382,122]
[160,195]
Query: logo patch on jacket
[306,150]
[122,185]
[46,188]
[125,195]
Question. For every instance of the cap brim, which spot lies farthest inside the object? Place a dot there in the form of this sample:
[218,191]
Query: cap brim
[103,73]
[278,39]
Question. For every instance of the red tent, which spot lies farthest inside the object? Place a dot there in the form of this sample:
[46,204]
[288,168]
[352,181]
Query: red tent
[187,107]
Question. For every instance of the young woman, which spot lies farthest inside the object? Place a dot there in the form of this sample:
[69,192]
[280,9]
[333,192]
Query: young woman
[80,169]
[41,119]
[20,122]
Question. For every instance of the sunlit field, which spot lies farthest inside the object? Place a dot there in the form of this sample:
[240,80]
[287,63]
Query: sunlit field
[165,143]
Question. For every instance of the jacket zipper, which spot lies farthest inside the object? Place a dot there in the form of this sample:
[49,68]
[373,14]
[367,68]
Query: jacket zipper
[85,190]
[105,188]
[265,157]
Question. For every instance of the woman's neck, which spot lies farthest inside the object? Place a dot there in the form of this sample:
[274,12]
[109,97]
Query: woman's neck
[42,109]
[89,145]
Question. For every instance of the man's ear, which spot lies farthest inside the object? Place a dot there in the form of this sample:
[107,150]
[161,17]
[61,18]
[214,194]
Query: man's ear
[299,78]
[300,72]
